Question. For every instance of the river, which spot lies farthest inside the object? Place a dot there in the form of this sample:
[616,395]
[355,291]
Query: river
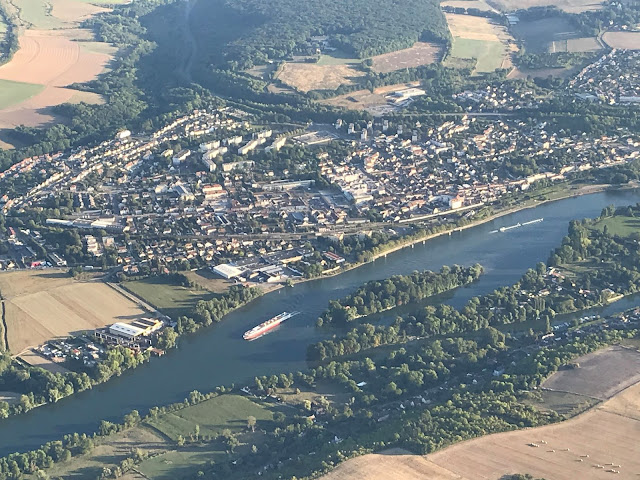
[218,355]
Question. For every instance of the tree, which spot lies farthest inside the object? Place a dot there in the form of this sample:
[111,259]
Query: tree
[251,423]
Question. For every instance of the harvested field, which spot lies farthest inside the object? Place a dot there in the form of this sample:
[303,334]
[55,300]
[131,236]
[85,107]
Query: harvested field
[488,42]
[397,464]
[420,54]
[52,309]
[606,434]
[628,40]
[543,72]
[54,53]
[52,60]
[576,45]
[601,374]
[571,6]
[305,77]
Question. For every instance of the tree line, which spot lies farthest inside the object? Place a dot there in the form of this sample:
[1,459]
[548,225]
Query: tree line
[378,296]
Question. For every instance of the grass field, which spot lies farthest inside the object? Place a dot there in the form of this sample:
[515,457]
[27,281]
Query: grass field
[175,464]
[213,416]
[628,40]
[113,451]
[338,58]
[620,225]
[563,403]
[305,77]
[16,92]
[489,55]
[42,306]
[539,35]
[479,4]
[481,39]
[172,300]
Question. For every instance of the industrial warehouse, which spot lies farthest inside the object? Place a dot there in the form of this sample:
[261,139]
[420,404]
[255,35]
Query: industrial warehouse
[135,334]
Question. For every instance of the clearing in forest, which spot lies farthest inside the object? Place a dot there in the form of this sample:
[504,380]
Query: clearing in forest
[482,39]
[422,53]
[305,77]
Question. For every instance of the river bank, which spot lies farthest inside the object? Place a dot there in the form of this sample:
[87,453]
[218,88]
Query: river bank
[218,355]
[526,205]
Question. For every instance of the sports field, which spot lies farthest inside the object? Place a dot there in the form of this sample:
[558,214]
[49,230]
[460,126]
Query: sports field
[44,305]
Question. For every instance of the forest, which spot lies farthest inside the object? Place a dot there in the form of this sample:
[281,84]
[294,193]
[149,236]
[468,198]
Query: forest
[253,32]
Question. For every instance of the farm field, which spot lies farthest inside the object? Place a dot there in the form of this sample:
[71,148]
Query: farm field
[539,35]
[620,225]
[16,92]
[607,434]
[305,77]
[421,53]
[213,416]
[628,40]
[600,375]
[172,300]
[576,45]
[570,6]
[54,52]
[480,38]
[53,305]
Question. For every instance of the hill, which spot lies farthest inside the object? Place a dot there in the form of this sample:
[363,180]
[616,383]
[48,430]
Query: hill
[253,31]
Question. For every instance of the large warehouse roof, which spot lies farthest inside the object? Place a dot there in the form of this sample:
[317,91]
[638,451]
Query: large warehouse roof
[227,271]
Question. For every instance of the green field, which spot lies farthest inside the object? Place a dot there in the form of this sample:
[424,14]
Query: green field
[173,300]
[213,416]
[620,225]
[563,403]
[174,464]
[38,14]
[489,55]
[338,58]
[16,92]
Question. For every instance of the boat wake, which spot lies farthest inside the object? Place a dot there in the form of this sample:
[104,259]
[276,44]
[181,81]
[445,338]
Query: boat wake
[517,225]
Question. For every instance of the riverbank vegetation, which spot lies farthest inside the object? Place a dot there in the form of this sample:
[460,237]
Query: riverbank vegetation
[378,296]
[433,377]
